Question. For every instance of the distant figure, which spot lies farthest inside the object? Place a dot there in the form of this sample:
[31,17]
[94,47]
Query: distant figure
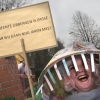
[22,70]
[24,78]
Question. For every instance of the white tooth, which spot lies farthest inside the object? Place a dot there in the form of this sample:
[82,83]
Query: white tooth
[57,71]
[92,62]
[74,62]
[81,77]
[84,60]
[48,82]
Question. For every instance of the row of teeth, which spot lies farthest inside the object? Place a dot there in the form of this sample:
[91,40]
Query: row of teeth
[81,77]
[75,64]
[84,61]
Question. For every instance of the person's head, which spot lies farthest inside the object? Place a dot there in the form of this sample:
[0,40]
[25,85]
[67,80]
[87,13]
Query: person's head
[81,80]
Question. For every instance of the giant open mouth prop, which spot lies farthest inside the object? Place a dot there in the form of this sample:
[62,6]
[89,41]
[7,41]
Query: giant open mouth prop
[47,75]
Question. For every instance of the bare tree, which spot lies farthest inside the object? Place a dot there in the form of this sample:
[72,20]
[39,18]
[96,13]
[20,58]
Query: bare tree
[12,4]
[85,28]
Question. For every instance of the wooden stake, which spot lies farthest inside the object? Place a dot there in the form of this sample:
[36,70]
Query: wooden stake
[27,69]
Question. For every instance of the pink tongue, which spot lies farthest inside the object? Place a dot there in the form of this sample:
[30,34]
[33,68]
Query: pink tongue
[84,79]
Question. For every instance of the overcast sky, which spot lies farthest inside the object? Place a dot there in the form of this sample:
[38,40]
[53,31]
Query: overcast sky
[63,10]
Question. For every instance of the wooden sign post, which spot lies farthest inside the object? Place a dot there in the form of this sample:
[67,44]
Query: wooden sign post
[27,68]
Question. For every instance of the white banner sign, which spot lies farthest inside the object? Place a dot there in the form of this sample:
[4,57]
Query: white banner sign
[33,24]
